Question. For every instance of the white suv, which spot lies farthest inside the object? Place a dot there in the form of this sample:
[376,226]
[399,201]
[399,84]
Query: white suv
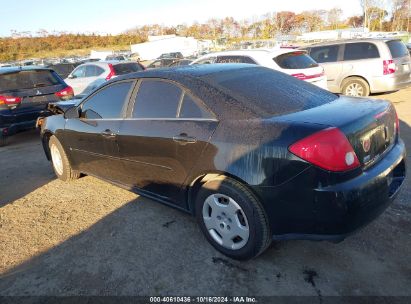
[88,76]
[292,62]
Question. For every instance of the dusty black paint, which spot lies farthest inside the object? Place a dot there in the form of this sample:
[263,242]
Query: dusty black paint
[243,143]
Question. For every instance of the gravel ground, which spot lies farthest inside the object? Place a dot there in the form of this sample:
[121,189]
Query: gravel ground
[92,238]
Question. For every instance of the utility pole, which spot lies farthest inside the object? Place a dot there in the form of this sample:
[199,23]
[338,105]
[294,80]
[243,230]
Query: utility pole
[365,14]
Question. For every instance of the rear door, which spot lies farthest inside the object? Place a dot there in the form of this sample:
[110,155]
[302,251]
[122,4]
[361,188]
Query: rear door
[92,138]
[164,136]
[328,57]
[361,59]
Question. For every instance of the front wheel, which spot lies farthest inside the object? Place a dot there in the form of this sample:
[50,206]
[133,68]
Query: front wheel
[232,219]
[61,164]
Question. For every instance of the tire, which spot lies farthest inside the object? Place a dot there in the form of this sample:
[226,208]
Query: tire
[60,162]
[355,86]
[226,229]
[3,140]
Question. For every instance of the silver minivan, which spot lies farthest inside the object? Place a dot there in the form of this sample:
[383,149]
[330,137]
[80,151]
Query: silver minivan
[363,66]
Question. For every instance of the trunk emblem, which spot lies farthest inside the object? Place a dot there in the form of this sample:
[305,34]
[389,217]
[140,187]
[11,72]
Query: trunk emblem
[366,144]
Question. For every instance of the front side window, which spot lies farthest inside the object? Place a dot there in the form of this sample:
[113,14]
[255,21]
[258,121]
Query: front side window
[107,103]
[157,99]
[362,50]
[323,54]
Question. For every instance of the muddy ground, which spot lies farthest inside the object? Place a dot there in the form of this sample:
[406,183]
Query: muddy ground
[92,238]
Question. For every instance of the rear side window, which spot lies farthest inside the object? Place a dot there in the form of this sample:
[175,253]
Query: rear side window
[362,50]
[191,109]
[295,60]
[93,71]
[397,48]
[235,59]
[323,54]
[28,80]
[126,68]
[107,103]
[207,60]
[157,99]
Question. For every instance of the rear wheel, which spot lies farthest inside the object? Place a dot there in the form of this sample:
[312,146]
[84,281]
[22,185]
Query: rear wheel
[355,86]
[61,164]
[232,219]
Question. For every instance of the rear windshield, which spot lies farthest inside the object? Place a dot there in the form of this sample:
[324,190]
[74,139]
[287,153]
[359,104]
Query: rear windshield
[126,68]
[27,80]
[295,60]
[270,93]
[397,48]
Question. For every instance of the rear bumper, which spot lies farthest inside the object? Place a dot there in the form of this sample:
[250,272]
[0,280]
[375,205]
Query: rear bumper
[388,84]
[332,213]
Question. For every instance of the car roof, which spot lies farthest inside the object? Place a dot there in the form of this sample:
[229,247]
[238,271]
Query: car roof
[7,70]
[353,40]
[251,53]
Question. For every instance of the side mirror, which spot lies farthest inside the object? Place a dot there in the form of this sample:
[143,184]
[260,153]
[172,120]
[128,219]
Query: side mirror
[72,113]
[71,76]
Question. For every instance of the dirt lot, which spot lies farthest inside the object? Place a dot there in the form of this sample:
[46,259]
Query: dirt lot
[91,238]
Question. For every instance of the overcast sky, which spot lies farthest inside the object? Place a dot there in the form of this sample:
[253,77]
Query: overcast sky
[115,16]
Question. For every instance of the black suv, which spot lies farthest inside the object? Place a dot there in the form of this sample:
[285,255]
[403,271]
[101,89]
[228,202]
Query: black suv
[25,93]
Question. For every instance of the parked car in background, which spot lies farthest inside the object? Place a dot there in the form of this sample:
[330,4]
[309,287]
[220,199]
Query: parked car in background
[363,66]
[176,55]
[116,57]
[161,63]
[63,69]
[292,62]
[87,77]
[231,144]
[180,62]
[25,93]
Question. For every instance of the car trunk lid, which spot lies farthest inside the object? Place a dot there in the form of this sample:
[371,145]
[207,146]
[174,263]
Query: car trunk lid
[369,125]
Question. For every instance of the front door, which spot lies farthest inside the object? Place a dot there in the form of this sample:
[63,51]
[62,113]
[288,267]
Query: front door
[93,138]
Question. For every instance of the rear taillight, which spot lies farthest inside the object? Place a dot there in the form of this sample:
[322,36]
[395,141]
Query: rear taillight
[302,76]
[388,67]
[112,72]
[66,93]
[10,100]
[328,149]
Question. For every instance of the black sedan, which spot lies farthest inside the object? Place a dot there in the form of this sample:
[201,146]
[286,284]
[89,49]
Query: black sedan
[254,154]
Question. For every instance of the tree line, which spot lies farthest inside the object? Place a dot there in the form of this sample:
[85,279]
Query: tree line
[377,15]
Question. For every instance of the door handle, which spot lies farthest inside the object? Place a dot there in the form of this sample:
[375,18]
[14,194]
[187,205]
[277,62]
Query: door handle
[108,134]
[184,139]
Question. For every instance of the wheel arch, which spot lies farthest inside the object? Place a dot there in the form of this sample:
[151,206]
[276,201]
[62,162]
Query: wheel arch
[197,182]
[45,138]
[354,76]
